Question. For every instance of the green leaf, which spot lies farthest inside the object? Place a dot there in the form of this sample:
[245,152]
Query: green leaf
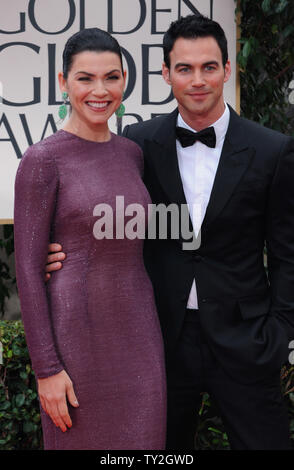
[266,5]
[281,6]
[288,30]
[9,426]
[29,427]
[16,350]
[215,430]
[9,353]
[5,405]
[264,119]
[20,399]
[23,375]
[246,49]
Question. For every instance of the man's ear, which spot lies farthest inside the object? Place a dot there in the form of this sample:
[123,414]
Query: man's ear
[228,71]
[166,74]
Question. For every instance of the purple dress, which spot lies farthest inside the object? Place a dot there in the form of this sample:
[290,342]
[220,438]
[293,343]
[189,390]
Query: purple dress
[96,318]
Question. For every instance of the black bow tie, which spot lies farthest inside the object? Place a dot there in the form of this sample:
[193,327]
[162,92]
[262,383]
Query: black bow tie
[187,137]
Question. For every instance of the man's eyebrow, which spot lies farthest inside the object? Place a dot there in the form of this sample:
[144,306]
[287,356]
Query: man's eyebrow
[211,62]
[183,64]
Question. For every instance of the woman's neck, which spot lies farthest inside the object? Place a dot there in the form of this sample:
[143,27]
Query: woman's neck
[97,133]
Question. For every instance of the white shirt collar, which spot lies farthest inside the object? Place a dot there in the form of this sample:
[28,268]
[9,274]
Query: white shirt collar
[220,126]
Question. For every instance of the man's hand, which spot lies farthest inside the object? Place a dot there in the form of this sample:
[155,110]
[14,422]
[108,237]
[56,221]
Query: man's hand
[53,392]
[54,259]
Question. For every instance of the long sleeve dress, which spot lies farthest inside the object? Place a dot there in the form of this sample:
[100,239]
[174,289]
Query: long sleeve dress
[96,317]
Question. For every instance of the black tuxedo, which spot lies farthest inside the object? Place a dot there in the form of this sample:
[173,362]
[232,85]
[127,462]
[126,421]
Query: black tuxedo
[246,313]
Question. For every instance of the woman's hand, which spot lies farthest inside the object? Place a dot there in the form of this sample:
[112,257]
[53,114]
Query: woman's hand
[53,392]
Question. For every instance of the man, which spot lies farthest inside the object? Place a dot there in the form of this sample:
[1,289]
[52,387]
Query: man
[226,324]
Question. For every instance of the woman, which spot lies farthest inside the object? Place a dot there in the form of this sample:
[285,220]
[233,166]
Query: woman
[92,333]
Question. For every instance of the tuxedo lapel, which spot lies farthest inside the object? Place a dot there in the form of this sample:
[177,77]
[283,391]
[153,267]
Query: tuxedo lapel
[235,159]
[162,154]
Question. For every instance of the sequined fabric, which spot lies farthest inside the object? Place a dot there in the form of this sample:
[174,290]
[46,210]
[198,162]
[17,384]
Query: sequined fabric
[96,318]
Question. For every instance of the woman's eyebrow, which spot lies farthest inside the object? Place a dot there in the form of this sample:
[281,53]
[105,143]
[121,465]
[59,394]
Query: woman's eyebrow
[113,71]
[86,73]
[92,74]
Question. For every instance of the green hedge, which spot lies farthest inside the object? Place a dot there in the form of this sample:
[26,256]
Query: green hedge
[20,425]
[266,61]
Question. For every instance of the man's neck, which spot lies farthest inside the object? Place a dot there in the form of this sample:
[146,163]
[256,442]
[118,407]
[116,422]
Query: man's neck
[201,121]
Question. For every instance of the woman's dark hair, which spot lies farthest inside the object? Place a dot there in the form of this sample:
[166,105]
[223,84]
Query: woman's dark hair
[193,27]
[89,39]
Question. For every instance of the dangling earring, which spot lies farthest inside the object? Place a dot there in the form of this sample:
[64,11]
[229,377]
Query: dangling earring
[62,112]
[119,114]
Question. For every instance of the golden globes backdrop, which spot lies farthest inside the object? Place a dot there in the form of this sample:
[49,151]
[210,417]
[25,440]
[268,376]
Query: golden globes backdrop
[32,37]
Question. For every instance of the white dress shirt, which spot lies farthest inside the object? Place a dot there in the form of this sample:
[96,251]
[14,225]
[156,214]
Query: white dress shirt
[198,164]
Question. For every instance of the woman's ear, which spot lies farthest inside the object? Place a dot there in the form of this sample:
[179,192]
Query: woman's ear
[62,82]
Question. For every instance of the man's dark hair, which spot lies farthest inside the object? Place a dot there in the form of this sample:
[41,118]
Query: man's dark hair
[193,27]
